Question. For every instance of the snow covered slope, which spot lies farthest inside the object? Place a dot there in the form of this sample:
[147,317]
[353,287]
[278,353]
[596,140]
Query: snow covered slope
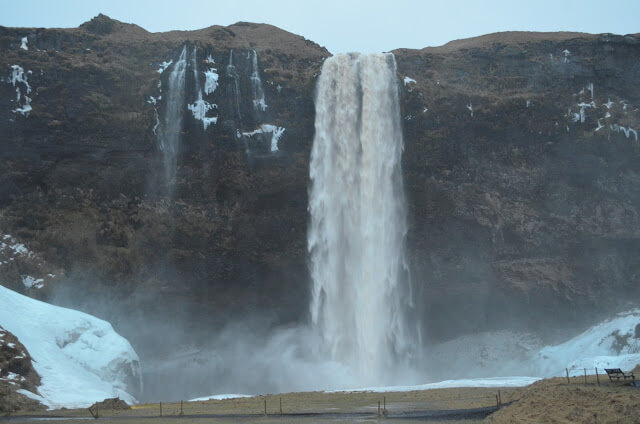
[612,344]
[80,358]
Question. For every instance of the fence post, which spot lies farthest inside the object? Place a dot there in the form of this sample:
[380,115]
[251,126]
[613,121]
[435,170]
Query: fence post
[567,370]
[597,376]
[585,376]
[160,408]
[499,398]
[497,402]
[265,407]
[280,406]
[181,409]
[378,408]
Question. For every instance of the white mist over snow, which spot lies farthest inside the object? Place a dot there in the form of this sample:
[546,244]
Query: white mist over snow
[79,357]
[358,223]
[612,344]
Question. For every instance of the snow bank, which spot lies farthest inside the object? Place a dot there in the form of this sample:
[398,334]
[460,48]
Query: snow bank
[219,397]
[447,384]
[612,344]
[80,358]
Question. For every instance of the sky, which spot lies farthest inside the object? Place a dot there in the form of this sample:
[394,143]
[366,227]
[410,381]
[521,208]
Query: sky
[344,25]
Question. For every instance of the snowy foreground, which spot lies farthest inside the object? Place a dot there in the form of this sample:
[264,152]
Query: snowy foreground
[80,358]
[612,344]
[492,359]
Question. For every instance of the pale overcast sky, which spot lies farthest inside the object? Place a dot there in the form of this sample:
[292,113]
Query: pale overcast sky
[344,25]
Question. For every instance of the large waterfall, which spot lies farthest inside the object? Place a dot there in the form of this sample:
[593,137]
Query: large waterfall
[358,217]
[171,126]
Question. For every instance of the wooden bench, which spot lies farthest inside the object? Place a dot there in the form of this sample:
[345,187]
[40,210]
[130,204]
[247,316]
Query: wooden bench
[617,374]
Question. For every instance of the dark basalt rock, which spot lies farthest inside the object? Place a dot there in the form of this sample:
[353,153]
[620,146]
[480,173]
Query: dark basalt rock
[523,204]
[16,372]
[101,25]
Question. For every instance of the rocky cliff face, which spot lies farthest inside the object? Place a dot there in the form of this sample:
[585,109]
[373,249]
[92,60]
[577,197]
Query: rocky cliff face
[16,373]
[81,182]
[522,169]
[521,164]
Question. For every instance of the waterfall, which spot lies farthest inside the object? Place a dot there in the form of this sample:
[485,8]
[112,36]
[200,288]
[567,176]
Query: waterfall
[171,128]
[356,237]
[259,104]
[194,68]
[233,74]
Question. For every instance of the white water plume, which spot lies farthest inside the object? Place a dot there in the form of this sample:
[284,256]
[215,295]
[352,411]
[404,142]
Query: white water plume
[172,123]
[356,238]
[259,103]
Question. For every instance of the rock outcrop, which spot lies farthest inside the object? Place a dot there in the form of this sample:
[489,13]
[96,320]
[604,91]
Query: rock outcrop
[520,164]
[16,373]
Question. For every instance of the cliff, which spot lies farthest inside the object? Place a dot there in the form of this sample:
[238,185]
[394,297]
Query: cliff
[520,166]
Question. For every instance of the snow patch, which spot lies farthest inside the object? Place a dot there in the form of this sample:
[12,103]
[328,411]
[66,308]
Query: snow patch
[210,60]
[219,397]
[23,44]
[446,384]
[611,344]
[470,107]
[30,282]
[79,357]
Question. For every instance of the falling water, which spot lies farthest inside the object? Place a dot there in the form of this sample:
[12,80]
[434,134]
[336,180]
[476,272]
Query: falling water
[259,103]
[358,219]
[233,74]
[169,136]
[194,68]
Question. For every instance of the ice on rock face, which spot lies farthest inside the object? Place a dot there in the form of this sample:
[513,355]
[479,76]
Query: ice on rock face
[211,81]
[80,358]
[164,65]
[276,133]
[408,80]
[199,110]
[626,131]
[25,108]
[18,76]
[23,43]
